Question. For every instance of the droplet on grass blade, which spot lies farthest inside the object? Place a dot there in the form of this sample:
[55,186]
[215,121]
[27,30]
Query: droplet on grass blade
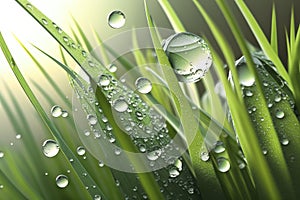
[80,150]
[1,154]
[120,105]
[279,114]
[189,56]
[50,148]
[56,111]
[62,181]
[223,164]
[143,85]
[116,19]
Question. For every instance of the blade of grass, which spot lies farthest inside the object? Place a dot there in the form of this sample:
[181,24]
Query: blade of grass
[263,41]
[274,40]
[68,153]
[208,183]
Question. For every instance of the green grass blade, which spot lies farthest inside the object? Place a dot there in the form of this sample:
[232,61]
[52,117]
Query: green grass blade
[68,153]
[205,173]
[9,190]
[263,41]
[274,40]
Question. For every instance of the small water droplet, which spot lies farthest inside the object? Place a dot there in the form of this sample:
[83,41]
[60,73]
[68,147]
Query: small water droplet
[154,155]
[45,21]
[18,136]
[246,78]
[118,151]
[173,173]
[143,85]
[101,163]
[189,56]
[1,186]
[248,93]
[62,181]
[204,156]
[104,80]
[97,197]
[50,148]
[64,114]
[1,154]
[285,141]
[277,98]
[29,6]
[191,190]
[223,164]
[116,19]
[120,105]
[219,147]
[80,150]
[265,152]
[92,119]
[112,68]
[279,114]
[56,111]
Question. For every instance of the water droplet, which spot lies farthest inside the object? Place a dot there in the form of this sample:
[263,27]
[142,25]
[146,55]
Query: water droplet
[18,136]
[62,181]
[116,19]
[178,164]
[80,150]
[279,114]
[246,78]
[46,174]
[104,80]
[285,141]
[143,85]
[173,173]
[277,98]
[101,163]
[29,6]
[64,114]
[1,186]
[189,56]
[97,197]
[112,68]
[56,111]
[118,151]
[191,190]
[154,155]
[223,164]
[265,152]
[219,147]
[204,156]
[50,148]
[44,21]
[87,133]
[248,93]
[120,105]
[92,119]
[1,154]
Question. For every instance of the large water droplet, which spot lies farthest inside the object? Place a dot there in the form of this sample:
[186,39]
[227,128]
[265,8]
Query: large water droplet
[56,111]
[80,150]
[143,85]
[189,56]
[120,105]
[62,181]
[116,19]
[223,164]
[92,119]
[50,148]
[279,114]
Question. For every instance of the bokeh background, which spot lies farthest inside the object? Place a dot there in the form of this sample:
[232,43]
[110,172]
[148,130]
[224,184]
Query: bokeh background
[92,14]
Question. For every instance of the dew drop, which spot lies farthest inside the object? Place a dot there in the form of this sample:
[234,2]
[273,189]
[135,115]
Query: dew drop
[18,136]
[62,181]
[248,93]
[173,173]
[44,21]
[101,163]
[112,68]
[143,85]
[219,147]
[223,164]
[1,186]
[50,148]
[279,114]
[56,111]
[64,114]
[191,190]
[277,98]
[80,150]
[29,6]
[204,156]
[92,119]
[120,105]
[154,155]
[285,141]
[118,151]
[1,154]
[246,78]
[116,19]
[189,56]
[97,197]
[104,80]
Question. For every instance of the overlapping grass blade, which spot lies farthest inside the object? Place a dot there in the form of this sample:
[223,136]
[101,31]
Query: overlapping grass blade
[274,40]
[88,180]
[263,41]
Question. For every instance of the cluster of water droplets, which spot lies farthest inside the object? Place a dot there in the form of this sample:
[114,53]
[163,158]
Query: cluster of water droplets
[57,111]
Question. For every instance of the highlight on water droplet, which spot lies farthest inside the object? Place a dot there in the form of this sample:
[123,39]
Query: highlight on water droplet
[80,150]
[116,19]
[189,56]
[50,148]
[143,85]
[62,181]
[56,111]
[223,164]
